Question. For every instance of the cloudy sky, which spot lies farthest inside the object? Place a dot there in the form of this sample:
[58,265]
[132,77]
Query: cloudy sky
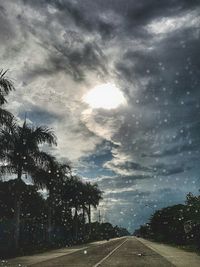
[119,82]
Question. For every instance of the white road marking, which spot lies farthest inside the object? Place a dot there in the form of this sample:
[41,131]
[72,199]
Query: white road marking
[106,257]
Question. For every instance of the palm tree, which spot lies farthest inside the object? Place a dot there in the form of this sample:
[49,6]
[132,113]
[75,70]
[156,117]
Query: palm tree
[52,175]
[6,86]
[94,195]
[79,202]
[21,154]
[83,201]
[73,194]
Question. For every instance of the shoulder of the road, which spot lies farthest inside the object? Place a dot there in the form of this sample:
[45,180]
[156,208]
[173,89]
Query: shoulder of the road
[176,256]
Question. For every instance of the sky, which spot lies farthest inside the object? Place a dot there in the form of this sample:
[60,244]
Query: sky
[140,141]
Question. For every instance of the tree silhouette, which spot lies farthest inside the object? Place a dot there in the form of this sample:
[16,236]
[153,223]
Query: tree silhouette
[72,195]
[94,195]
[6,86]
[21,154]
[52,175]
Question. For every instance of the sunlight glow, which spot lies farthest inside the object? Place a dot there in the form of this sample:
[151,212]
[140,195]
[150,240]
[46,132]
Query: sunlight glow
[106,96]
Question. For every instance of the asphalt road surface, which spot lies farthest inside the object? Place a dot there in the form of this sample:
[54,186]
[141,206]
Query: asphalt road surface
[119,253]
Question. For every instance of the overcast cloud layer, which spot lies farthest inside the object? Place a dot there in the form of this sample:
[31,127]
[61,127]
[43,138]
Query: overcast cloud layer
[144,154]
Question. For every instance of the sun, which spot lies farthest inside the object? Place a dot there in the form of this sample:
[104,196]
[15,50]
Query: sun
[106,96]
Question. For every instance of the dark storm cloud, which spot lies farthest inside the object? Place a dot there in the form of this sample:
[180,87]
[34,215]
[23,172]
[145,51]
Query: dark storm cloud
[90,22]
[170,65]
[72,61]
[69,49]
[153,198]
[135,15]
[82,20]
[89,55]
[7,32]
[173,151]
[162,169]
[121,182]
[186,139]
[126,195]
[129,165]
[142,12]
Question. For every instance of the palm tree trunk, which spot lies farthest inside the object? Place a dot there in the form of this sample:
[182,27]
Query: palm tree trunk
[83,221]
[49,229]
[83,218]
[49,224]
[89,218]
[17,209]
[76,223]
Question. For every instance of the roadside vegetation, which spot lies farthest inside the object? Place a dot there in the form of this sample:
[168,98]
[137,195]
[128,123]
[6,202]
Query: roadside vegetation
[178,224]
[61,215]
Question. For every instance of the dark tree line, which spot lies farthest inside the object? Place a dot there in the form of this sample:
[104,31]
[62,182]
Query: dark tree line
[178,224]
[26,217]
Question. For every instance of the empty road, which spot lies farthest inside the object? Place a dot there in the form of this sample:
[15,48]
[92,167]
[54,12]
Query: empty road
[120,252]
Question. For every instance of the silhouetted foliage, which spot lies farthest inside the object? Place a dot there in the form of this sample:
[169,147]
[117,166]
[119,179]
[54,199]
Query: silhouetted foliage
[6,86]
[178,224]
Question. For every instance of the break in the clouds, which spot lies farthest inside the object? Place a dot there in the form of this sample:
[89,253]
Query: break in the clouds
[145,151]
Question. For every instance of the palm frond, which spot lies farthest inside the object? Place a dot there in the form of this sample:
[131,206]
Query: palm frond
[8,135]
[2,100]
[6,85]
[5,116]
[40,178]
[38,135]
[43,160]
[44,135]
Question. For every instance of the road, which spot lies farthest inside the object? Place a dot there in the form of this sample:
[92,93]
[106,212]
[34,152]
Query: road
[119,253]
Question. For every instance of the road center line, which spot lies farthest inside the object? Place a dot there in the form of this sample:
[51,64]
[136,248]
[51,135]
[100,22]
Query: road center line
[98,263]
